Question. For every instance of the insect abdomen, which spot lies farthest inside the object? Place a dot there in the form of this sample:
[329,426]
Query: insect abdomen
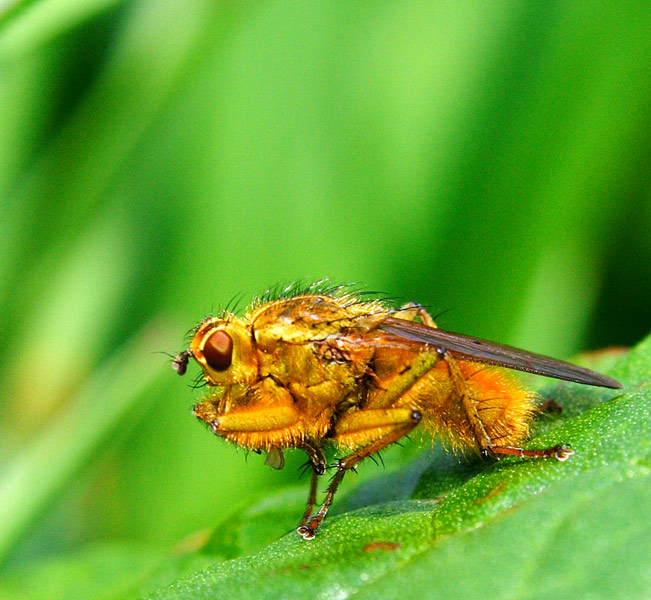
[503,407]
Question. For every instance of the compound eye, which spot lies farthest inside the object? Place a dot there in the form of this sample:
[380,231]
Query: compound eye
[218,351]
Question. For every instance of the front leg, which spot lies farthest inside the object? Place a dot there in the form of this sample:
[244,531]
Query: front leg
[373,430]
[265,418]
[318,464]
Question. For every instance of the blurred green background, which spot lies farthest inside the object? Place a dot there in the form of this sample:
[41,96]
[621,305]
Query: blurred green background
[490,160]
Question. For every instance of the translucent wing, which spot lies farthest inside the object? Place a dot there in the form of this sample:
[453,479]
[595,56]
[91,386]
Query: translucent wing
[491,353]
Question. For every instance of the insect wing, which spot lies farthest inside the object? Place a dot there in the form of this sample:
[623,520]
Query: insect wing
[491,353]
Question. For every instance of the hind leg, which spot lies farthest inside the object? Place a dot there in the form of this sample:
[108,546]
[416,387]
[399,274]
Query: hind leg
[479,427]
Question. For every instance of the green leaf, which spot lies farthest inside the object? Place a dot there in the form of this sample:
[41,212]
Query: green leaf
[104,571]
[511,529]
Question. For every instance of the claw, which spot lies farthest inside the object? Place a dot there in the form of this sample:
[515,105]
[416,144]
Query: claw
[563,452]
[306,531]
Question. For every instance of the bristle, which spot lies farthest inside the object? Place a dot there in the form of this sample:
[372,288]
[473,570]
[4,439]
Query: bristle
[347,294]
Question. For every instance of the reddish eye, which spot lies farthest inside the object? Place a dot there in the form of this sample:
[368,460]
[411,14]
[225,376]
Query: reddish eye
[218,351]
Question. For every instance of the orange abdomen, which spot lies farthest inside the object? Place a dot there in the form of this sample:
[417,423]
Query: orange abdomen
[503,406]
